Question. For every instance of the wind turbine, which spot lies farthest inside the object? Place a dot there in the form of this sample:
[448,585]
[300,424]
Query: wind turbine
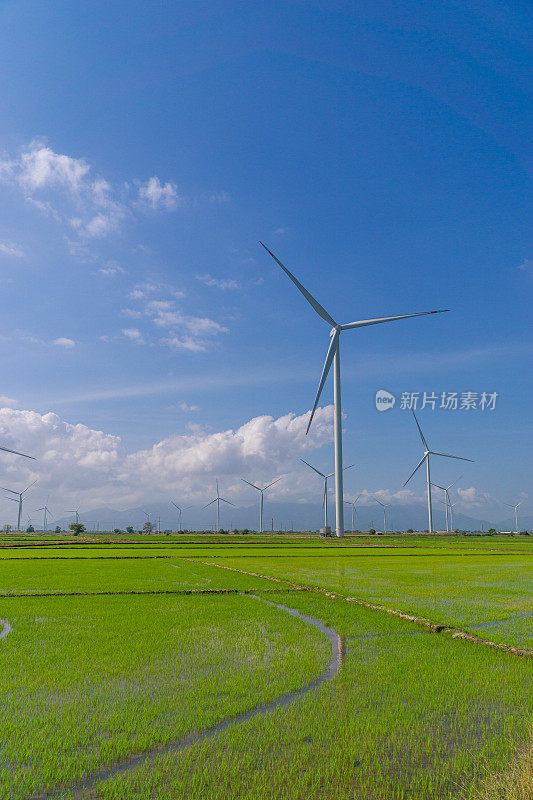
[261,498]
[446,490]
[333,357]
[331,474]
[181,510]
[217,500]
[19,501]
[352,503]
[515,512]
[75,511]
[46,512]
[425,457]
[384,506]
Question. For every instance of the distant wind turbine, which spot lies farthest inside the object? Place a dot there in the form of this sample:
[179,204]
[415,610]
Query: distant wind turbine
[515,512]
[218,499]
[261,490]
[384,506]
[75,511]
[325,477]
[180,510]
[425,457]
[446,490]
[19,500]
[333,357]
[46,512]
[353,503]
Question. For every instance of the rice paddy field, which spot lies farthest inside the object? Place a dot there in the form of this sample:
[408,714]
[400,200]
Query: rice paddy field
[231,667]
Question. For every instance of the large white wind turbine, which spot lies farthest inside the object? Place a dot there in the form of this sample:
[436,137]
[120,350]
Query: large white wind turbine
[333,357]
[325,477]
[261,498]
[19,499]
[515,512]
[425,457]
[448,502]
[218,499]
[181,510]
[384,506]
[353,503]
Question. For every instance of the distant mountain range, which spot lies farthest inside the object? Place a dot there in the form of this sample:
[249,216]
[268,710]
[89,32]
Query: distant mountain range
[285,516]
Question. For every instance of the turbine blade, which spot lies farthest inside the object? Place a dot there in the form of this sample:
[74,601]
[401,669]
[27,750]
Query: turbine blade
[447,455]
[453,484]
[309,297]
[415,469]
[29,487]
[8,490]
[313,468]
[420,431]
[271,484]
[211,503]
[362,323]
[251,484]
[227,501]
[16,453]
[332,349]
[348,467]
[439,487]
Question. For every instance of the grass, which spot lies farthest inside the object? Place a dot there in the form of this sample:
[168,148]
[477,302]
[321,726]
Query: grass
[89,681]
[411,716]
[489,595]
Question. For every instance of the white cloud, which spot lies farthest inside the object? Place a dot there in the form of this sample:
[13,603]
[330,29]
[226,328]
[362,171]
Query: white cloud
[158,195]
[92,468]
[111,270]
[187,407]
[64,342]
[12,250]
[39,167]
[134,335]
[473,498]
[219,283]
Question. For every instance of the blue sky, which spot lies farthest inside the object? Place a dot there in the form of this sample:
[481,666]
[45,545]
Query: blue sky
[380,149]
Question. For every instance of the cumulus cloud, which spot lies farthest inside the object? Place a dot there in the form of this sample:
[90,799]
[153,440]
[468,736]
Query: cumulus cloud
[62,341]
[159,195]
[90,467]
[218,283]
[473,498]
[187,407]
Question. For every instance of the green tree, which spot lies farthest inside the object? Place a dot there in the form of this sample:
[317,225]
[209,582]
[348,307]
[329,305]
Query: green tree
[148,527]
[30,529]
[57,529]
[117,530]
[130,529]
[77,528]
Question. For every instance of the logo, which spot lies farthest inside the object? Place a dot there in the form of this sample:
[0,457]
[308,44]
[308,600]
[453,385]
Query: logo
[384,400]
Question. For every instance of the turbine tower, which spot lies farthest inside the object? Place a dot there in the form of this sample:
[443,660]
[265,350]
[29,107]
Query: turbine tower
[384,506]
[331,474]
[353,503]
[448,502]
[181,510]
[218,499]
[333,357]
[261,498]
[515,512]
[425,457]
[19,500]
